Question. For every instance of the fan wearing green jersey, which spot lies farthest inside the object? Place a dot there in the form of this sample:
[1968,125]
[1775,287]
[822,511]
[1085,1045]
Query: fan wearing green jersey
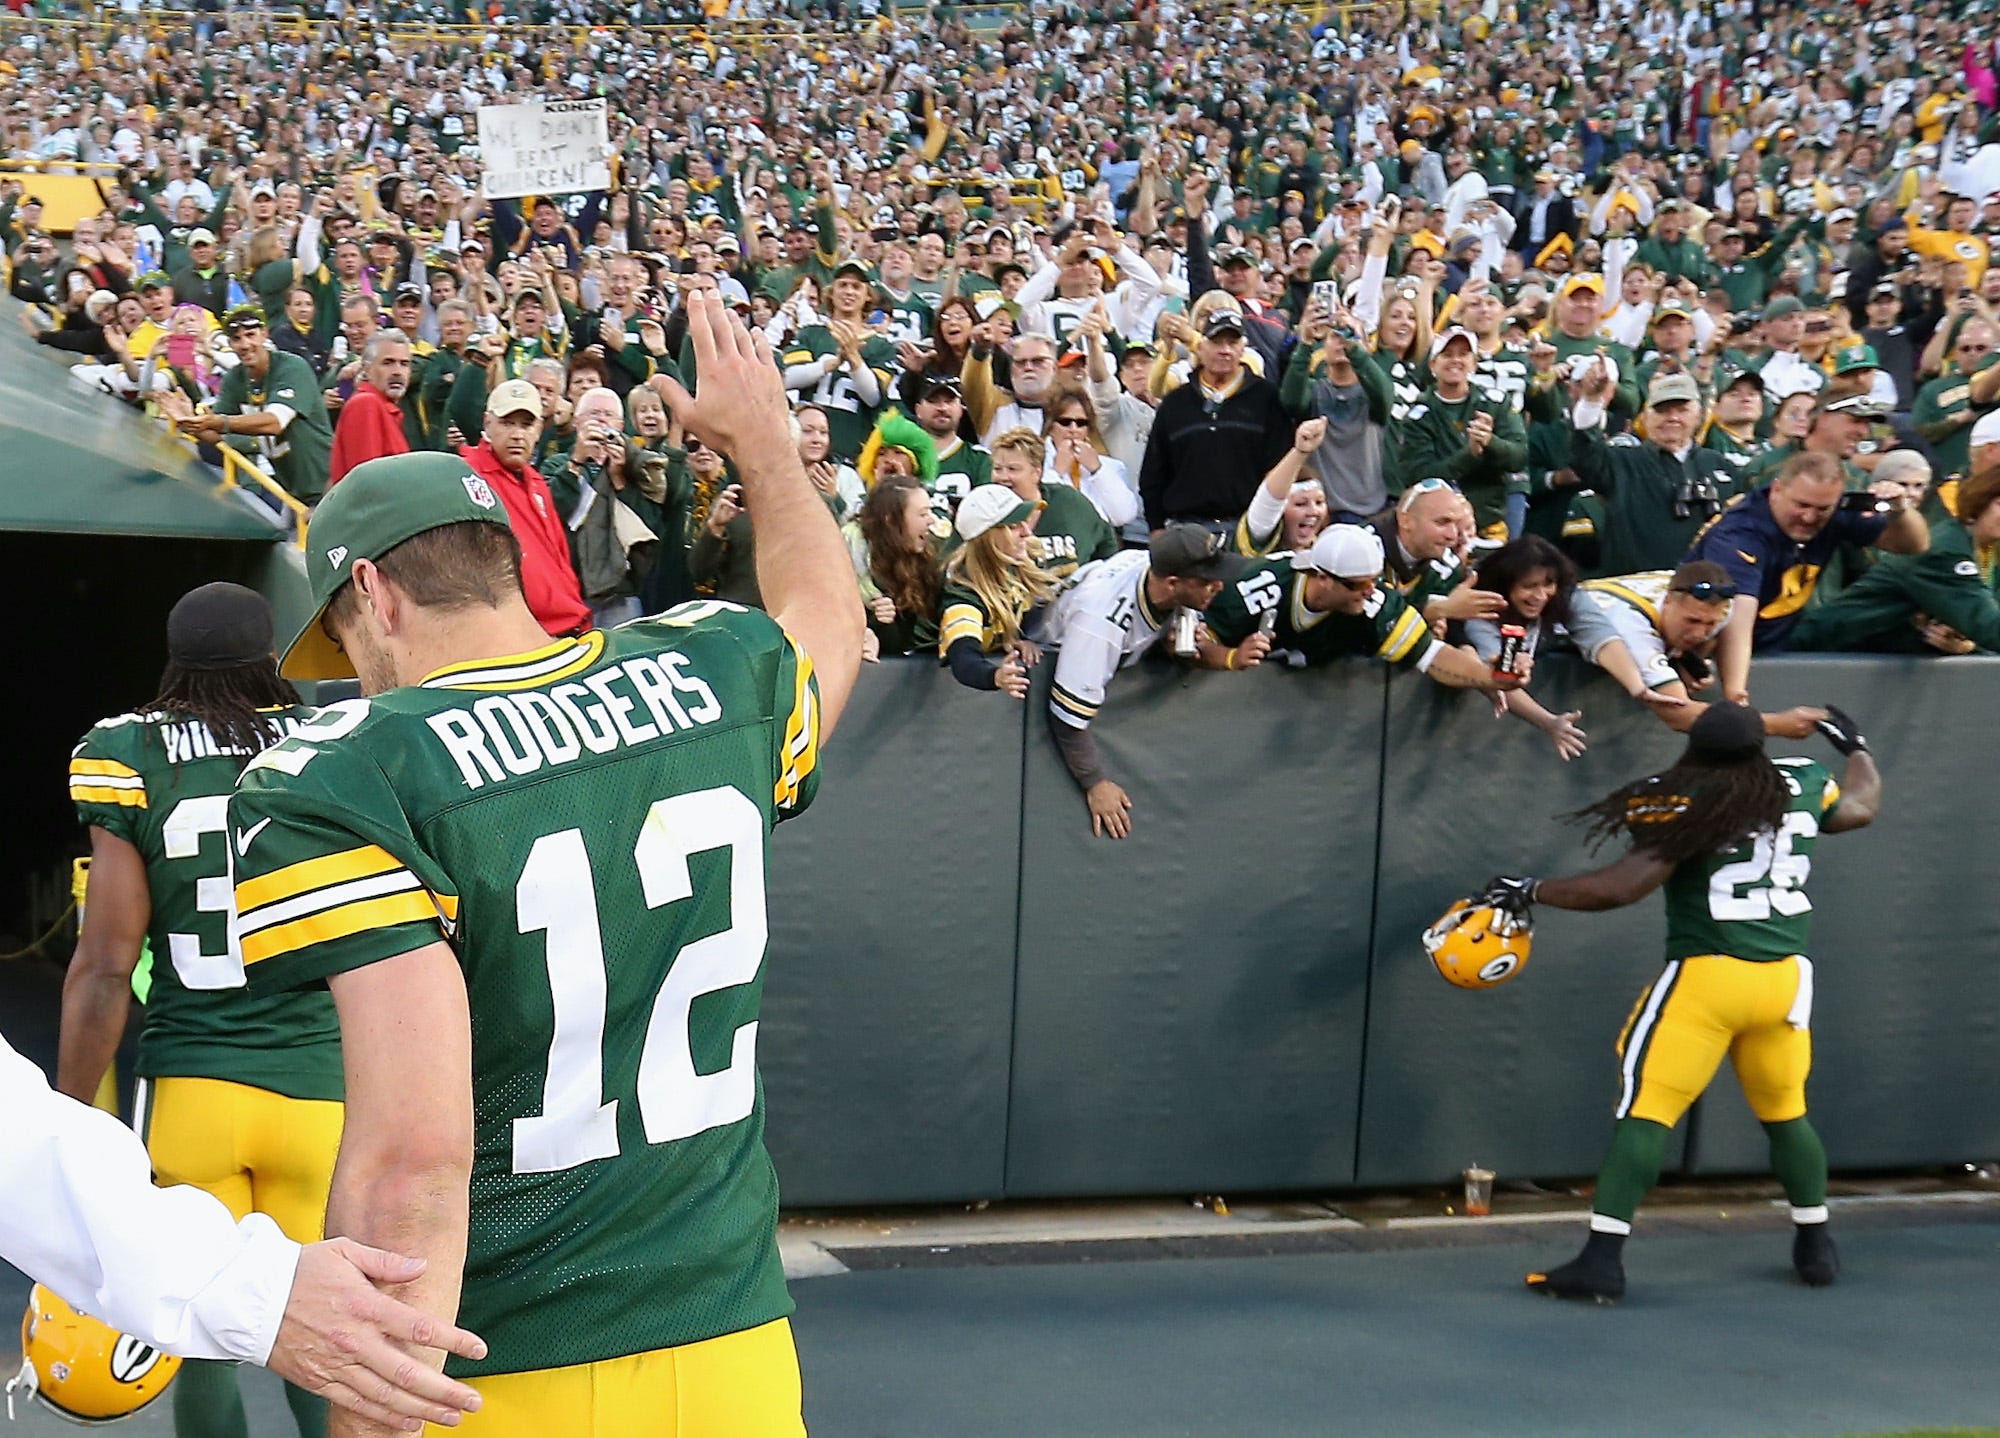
[840,365]
[533,876]
[237,1094]
[1728,833]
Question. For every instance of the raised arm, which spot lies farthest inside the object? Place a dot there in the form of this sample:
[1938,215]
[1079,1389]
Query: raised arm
[803,568]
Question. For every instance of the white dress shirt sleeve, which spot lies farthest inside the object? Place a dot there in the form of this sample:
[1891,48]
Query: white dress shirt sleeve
[79,1213]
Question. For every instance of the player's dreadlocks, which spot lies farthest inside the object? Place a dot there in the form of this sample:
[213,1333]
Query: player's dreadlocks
[220,670]
[228,701]
[1721,791]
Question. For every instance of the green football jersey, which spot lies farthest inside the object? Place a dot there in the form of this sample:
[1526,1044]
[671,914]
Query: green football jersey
[1387,626]
[1069,532]
[961,469]
[1750,901]
[587,824]
[161,783]
[848,420]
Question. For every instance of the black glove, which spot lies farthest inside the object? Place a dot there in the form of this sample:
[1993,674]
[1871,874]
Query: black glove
[1842,732]
[1514,897]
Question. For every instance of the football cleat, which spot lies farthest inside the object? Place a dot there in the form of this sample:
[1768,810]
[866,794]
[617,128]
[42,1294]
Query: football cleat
[83,1369]
[1815,1256]
[1477,946]
[1598,1278]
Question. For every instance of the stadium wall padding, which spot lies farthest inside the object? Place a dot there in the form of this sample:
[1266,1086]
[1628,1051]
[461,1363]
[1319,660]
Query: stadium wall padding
[971,997]
[888,1011]
[1189,1000]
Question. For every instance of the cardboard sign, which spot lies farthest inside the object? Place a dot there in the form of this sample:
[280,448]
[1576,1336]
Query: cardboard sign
[544,147]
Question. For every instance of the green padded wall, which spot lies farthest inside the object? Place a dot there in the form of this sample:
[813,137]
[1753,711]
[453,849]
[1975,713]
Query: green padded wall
[1190,1000]
[884,1040]
[1521,1078]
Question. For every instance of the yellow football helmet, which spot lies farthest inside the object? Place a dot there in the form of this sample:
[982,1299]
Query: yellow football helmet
[1478,946]
[83,1369]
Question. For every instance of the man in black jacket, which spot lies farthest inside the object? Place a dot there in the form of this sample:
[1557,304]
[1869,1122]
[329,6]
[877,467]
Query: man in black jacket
[1543,213]
[1215,437]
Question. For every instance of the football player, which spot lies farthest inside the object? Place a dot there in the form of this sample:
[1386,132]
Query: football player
[237,1095]
[532,874]
[1729,833]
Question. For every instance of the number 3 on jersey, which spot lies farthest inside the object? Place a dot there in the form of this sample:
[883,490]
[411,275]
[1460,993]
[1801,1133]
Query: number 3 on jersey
[556,895]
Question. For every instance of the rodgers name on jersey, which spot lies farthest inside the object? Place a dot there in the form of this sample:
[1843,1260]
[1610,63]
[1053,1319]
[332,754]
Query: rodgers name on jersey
[587,824]
[1749,901]
[161,782]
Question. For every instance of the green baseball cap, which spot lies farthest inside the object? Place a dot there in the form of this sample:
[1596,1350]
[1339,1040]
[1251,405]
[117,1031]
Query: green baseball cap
[1854,357]
[375,508]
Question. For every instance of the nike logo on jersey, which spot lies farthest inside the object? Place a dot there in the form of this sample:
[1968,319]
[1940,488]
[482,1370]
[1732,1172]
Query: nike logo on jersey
[246,837]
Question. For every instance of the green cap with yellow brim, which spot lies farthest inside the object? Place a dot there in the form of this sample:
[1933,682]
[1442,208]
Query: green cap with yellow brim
[375,508]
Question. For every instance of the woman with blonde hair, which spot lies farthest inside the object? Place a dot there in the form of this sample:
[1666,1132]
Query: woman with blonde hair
[991,585]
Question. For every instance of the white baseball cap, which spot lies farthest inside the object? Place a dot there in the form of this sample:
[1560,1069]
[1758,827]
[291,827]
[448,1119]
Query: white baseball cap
[989,506]
[1987,431]
[1346,551]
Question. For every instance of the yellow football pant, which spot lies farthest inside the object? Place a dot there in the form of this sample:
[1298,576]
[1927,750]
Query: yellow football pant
[741,1385]
[1702,1008]
[257,1151]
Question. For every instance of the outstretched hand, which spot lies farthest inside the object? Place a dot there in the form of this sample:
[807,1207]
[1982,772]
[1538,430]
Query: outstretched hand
[742,400]
[1842,732]
[351,1344]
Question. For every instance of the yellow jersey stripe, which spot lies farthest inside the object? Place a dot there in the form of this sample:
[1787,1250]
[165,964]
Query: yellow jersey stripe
[1070,702]
[961,621]
[1630,595]
[127,798]
[801,749]
[447,905]
[1829,797]
[561,660]
[310,874]
[107,768]
[409,908]
[1404,635]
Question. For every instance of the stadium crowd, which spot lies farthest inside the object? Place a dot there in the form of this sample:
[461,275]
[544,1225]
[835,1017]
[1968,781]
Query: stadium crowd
[1434,332]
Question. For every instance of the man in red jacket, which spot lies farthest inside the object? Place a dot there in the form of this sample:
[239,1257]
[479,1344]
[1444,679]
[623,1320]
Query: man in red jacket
[513,423]
[371,422]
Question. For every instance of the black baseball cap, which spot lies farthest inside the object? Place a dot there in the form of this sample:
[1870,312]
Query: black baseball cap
[940,384]
[407,291]
[219,626]
[1188,551]
[1222,321]
[1728,731]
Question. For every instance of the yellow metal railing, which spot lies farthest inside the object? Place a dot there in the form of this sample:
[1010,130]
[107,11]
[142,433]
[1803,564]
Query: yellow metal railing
[236,469]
